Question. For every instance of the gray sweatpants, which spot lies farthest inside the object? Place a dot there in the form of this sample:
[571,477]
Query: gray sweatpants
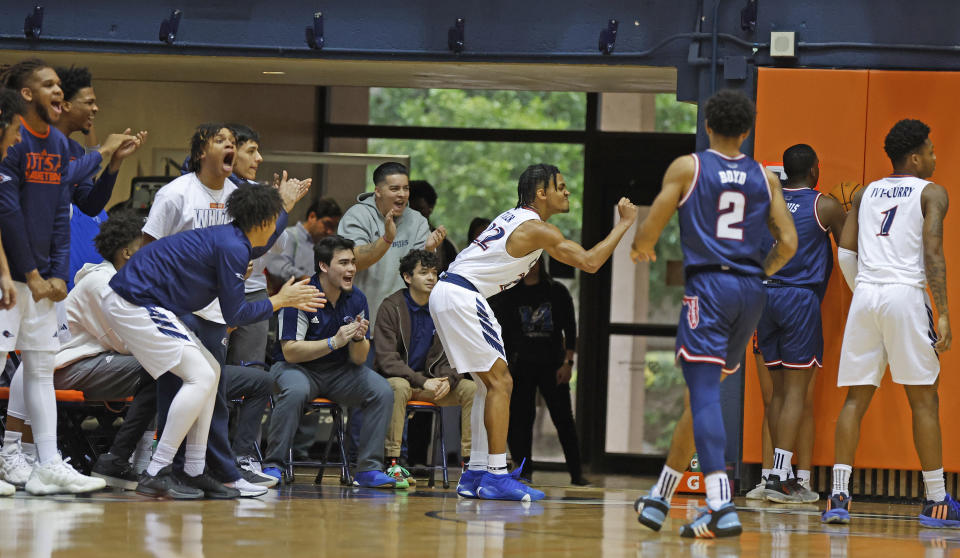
[349,385]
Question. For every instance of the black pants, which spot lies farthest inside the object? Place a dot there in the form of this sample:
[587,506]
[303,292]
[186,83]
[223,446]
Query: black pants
[139,417]
[527,378]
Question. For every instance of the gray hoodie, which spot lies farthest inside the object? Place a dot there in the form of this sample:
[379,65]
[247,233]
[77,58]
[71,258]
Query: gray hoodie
[363,223]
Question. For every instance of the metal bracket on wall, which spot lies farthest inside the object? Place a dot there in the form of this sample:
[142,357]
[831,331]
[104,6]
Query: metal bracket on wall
[608,37]
[33,23]
[314,34]
[456,36]
[748,16]
[169,26]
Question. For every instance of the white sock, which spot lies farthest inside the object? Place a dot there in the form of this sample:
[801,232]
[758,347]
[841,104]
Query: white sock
[29,449]
[841,479]
[667,484]
[479,449]
[162,457]
[195,460]
[803,475]
[497,463]
[765,473]
[718,490]
[934,485]
[781,463]
[10,440]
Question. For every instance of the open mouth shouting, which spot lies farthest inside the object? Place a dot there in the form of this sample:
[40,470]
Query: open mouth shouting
[228,157]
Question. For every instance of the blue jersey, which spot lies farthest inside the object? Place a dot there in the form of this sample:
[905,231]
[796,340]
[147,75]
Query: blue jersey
[298,325]
[813,262]
[88,195]
[83,229]
[184,272]
[724,215]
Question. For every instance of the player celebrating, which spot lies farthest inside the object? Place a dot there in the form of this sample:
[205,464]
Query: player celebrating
[726,201]
[495,261]
[180,274]
[896,225]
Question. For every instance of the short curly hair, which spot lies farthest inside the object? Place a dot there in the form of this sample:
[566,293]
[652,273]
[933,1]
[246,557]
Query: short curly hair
[426,259]
[72,80]
[119,230]
[730,113]
[11,105]
[905,138]
[253,206]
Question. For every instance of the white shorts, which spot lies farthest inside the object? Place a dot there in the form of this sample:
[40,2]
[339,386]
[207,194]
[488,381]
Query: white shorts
[154,335]
[29,326]
[467,327]
[888,323]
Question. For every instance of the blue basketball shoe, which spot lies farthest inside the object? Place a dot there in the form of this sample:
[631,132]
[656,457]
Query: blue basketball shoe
[713,524]
[652,511]
[944,514]
[505,487]
[468,483]
[838,509]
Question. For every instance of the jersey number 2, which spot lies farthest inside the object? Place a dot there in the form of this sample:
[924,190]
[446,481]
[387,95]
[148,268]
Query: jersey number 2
[496,233]
[888,216]
[730,214]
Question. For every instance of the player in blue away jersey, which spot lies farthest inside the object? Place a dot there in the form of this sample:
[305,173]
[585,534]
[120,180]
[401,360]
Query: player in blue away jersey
[726,202]
[180,274]
[790,333]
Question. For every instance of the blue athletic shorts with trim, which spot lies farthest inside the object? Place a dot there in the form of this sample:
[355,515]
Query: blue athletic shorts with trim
[790,331]
[719,315]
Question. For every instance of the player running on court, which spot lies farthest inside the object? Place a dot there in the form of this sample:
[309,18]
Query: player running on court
[726,201]
[892,242]
[495,261]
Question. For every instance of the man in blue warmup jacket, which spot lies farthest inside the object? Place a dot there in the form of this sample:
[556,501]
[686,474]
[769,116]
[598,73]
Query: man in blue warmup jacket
[180,274]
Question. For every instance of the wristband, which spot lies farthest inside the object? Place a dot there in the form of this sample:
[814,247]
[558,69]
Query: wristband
[389,242]
[330,344]
[570,362]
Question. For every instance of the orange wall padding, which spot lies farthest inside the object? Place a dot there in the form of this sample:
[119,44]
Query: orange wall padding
[845,115]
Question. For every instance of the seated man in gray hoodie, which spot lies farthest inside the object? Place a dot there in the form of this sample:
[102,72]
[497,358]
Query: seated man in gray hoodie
[410,356]
[96,362]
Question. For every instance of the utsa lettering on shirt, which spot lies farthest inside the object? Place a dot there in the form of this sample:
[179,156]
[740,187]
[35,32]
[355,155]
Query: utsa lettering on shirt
[42,168]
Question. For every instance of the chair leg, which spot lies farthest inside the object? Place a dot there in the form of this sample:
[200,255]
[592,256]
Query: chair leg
[433,454]
[326,450]
[290,465]
[345,478]
[443,451]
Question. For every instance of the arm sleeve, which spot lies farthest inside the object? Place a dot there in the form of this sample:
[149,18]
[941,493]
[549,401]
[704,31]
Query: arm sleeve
[60,240]
[848,265]
[91,197]
[569,324]
[83,168]
[420,240]
[231,267]
[281,226]
[164,215]
[12,223]
[291,324]
[352,228]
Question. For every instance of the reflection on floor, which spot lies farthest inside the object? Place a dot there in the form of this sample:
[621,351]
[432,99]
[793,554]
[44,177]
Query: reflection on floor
[330,520]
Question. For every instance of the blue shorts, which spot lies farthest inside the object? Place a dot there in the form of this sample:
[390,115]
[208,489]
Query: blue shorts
[719,314]
[790,333]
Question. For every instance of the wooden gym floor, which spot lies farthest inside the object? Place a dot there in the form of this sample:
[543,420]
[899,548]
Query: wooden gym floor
[330,520]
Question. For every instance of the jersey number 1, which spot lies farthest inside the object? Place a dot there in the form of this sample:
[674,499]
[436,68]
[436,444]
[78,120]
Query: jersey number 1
[888,216]
[730,214]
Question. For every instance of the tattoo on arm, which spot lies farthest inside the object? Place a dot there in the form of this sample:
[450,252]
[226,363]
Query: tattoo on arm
[775,258]
[934,261]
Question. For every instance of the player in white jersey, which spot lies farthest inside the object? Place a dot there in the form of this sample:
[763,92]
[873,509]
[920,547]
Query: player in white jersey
[896,226]
[495,261]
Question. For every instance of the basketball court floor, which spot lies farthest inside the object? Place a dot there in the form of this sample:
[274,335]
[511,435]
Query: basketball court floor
[329,520]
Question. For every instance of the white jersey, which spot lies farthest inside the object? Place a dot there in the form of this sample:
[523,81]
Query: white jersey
[486,263]
[186,204]
[890,241]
